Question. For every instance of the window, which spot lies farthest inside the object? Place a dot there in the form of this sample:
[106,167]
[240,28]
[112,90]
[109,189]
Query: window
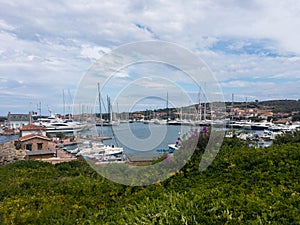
[39,146]
[29,147]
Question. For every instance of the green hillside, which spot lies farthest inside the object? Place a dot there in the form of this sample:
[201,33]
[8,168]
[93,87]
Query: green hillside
[283,106]
[242,186]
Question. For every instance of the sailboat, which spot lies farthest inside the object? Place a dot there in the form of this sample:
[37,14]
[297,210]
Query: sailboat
[96,149]
[111,121]
[162,121]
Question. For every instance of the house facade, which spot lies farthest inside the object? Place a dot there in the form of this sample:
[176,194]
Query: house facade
[15,121]
[36,146]
[33,139]
[34,142]
[32,129]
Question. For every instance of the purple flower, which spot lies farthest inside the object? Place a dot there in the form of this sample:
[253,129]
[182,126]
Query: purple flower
[167,158]
[205,130]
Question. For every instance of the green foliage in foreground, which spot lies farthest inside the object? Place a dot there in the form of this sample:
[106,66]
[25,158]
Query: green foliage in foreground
[290,137]
[242,186]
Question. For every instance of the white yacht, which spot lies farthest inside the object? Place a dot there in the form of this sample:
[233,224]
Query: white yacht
[173,146]
[91,149]
[160,122]
[261,125]
[54,124]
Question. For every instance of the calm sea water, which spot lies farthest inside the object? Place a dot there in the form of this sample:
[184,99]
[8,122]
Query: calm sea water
[137,137]
[8,138]
[143,138]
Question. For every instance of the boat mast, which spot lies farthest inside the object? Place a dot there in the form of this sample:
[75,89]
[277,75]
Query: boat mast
[204,113]
[39,108]
[200,105]
[232,100]
[167,105]
[117,115]
[181,113]
[109,109]
[64,103]
[99,99]
[100,109]
[204,102]
[69,105]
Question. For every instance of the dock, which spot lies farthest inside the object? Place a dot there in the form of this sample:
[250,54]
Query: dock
[95,138]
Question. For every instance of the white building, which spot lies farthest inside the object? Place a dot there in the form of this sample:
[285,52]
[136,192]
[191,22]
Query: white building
[32,129]
[15,121]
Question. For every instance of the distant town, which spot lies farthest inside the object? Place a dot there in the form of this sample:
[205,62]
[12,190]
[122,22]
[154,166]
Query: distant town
[53,138]
[276,111]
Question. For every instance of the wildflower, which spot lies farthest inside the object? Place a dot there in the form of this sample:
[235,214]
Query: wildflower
[167,158]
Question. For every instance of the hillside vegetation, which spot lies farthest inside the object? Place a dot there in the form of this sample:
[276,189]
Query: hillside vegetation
[283,106]
[242,186]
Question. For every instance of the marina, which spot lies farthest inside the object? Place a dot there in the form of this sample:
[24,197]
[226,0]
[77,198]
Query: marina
[99,151]
[149,112]
[108,138]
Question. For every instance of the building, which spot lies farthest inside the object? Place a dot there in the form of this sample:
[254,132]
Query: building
[34,142]
[38,155]
[36,146]
[33,139]
[32,129]
[14,121]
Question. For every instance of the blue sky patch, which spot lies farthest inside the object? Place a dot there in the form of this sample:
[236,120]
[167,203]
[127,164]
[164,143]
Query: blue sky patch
[246,46]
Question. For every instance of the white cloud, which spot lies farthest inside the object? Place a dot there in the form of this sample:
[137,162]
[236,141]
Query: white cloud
[52,45]
[5,26]
[93,52]
[121,74]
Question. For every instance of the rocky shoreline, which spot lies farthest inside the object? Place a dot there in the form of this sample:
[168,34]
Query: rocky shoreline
[9,153]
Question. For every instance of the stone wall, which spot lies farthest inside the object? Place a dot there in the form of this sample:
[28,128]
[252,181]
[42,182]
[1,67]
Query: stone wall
[8,153]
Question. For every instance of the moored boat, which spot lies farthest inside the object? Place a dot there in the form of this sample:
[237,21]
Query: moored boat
[261,125]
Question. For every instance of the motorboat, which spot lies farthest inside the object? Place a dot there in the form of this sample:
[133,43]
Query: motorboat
[239,125]
[173,146]
[261,125]
[160,122]
[96,148]
[54,124]
[176,122]
[64,127]
[149,121]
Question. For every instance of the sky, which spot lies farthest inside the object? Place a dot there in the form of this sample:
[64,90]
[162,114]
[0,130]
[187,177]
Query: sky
[46,48]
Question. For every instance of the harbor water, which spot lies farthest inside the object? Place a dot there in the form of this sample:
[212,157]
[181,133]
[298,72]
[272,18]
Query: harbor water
[130,132]
[7,138]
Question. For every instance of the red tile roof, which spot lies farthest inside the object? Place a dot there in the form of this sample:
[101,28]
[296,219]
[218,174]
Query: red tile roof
[31,136]
[29,127]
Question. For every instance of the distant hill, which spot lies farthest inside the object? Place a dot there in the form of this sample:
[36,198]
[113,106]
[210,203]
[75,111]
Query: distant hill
[282,105]
[286,106]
